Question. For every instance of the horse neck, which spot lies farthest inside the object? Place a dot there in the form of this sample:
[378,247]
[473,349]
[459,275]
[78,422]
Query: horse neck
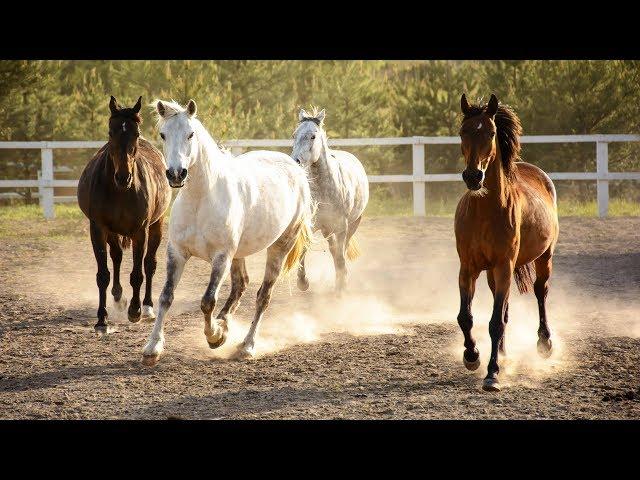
[208,164]
[107,171]
[499,188]
[323,159]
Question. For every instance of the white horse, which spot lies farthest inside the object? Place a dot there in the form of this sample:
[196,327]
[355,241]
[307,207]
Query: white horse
[340,187]
[228,208]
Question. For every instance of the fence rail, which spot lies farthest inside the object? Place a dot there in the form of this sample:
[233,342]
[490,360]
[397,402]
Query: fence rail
[46,183]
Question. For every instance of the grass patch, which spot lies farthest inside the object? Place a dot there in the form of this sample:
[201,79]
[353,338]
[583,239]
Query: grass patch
[28,221]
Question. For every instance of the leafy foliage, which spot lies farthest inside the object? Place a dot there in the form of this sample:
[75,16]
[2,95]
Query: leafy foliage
[68,100]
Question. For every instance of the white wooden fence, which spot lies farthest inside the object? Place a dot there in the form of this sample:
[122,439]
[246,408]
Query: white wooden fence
[418,178]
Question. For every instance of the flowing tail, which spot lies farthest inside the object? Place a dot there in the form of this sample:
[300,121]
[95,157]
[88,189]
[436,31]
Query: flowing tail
[304,239]
[353,249]
[523,276]
[125,242]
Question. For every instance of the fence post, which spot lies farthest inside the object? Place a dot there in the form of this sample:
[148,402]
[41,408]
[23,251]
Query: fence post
[46,183]
[602,166]
[419,208]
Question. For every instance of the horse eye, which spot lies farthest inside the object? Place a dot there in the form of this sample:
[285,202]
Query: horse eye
[190,136]
[162,136]
[313,137]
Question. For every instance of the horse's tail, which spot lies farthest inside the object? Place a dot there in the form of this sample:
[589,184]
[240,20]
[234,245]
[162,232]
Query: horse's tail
[125,242]
[302,243]
[353,249]
[523,276]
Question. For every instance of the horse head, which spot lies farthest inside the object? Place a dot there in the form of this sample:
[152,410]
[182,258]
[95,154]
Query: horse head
[309,138]
[124,132]
[176,125]
[478,135]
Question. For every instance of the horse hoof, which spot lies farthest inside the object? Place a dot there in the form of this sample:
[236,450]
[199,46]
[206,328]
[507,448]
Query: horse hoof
[545,347]
[102,329]
[219,342]
[472,363]
[244,352]
[303,284]
[150,360]
[147,316]
[490,385]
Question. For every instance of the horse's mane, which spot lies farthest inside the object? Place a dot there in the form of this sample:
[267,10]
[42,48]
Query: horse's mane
[171,108]
[509,131]
[315,111]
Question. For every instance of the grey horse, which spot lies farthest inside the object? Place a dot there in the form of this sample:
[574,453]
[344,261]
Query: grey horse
[339,187]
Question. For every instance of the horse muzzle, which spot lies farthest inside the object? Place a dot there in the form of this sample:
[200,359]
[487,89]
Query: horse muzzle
[473,178]
[176,177]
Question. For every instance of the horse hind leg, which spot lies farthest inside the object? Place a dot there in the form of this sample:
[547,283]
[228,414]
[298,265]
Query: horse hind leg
[150,263]
[239,282]
[215,332]
[303,282]
[543,266]
[115,251]
[276,256]
[136,277]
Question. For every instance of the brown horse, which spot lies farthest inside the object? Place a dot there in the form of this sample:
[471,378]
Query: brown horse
[506,224]
[124,193]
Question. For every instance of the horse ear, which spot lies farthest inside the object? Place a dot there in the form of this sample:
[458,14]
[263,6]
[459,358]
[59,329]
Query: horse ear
[113,105]
[492,108]
[160,108]
[302,115]
[138,105]
[464,104]
[192,108]
[321,116]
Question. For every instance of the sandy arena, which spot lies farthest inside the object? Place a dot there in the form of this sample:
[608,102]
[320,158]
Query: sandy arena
[390,349]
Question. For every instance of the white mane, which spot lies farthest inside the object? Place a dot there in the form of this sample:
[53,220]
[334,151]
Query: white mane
[172,108]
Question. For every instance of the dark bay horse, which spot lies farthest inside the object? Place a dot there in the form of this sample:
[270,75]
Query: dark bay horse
[506,224]
[124,193]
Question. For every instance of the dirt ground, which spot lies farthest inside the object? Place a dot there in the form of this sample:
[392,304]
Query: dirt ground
[390,349]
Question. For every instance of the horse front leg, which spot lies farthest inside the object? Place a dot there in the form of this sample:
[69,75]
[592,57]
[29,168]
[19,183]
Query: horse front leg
[216,333]
[176,261]
[99,243]
[136,278]
[502,278]
[337,247]
[492,285]
[467,285]
[150,263]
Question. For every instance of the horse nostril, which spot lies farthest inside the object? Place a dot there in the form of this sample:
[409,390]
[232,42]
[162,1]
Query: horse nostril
[478,175]
[183,174]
